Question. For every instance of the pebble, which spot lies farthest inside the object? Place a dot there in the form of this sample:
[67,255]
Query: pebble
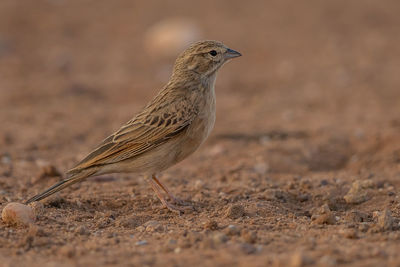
[232,230]
[261,168]
[299,259]
[207,243]
[216,150]
[46,170]
[248,248]
[219,238]
[327,261]
[363,227]
[323,215]
[385,221]
[357,193]
[235,211]
[18,214]
[141,243]
[248,236]
[67,251]
[169,245]
[349,233]
[211,225]
[82,230]
[153,226]
[198,184]
[327,218]
[355,216]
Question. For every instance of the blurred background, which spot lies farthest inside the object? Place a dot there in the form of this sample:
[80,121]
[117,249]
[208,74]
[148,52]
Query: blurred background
[81,68]
[312,105]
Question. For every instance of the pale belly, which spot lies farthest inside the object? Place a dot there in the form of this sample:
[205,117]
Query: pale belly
[196,135]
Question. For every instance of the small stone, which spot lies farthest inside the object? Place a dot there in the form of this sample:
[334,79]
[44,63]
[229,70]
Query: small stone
[375,214]
[327,218]
[46,170]
[140,228]
[153,226]
[363,227]
[299,259]
[169,246]
[207,243]
[195,237]
[232,230]
[219,238]
[82,230]
[248,236]
[131,222]
[276,194]
[357,193]
[141,243]
[211,225]
[67,251]
[261,168]
[248,248]
[18,214]
[235,211]
[323,215]
[348,233]
[198,184]
[385,221]
[356,216]
[328,261]
[216,150]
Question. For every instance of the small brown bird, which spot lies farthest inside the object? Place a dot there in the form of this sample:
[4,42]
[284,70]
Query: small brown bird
[170,128]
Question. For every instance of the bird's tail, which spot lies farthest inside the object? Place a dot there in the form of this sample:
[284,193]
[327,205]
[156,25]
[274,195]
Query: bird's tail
[73,177]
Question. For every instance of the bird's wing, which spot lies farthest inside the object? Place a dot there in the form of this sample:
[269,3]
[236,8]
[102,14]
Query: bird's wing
[147,130]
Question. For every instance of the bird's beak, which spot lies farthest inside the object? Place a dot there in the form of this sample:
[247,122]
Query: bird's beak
[230,53]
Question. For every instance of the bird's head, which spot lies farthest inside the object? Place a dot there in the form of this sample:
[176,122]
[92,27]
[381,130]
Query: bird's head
[204,58]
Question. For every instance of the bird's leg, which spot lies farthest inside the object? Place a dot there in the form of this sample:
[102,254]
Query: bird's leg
[159,194]
[174,199]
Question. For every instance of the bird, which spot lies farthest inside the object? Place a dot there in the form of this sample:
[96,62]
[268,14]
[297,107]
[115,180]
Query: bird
[167,130]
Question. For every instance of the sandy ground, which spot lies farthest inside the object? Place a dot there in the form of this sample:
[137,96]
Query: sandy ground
[302,168]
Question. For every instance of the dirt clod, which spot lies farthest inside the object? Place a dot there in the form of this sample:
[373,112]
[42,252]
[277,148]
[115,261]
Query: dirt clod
[356,216]
[385,221]
[153,226]
[248,248]
[82,230]
[219,238]
[323,215]
[211,225]
[357,193]
[141,243]
[299,259]
[47,170]
[235,211]
[248,236]
[349,233]
[232,230]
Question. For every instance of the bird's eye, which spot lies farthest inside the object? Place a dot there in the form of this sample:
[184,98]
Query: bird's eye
[213,53]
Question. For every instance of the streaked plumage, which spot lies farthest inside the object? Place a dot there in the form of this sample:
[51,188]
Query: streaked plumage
[171,127]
